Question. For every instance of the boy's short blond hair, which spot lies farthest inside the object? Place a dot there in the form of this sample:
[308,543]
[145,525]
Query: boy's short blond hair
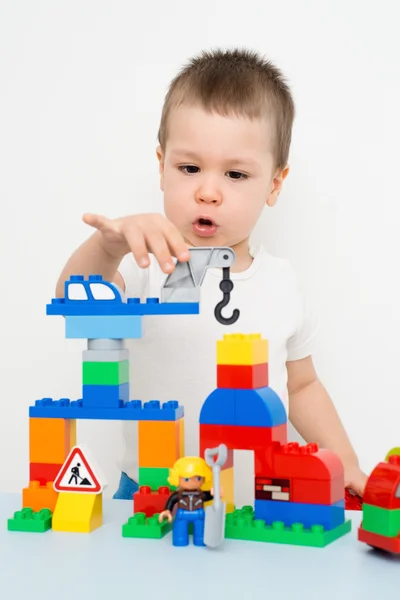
[235,82]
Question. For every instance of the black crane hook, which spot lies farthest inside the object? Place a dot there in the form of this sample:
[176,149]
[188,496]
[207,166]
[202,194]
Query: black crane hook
[226,286]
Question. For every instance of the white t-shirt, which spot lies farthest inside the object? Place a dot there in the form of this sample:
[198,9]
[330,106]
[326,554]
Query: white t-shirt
[176,357]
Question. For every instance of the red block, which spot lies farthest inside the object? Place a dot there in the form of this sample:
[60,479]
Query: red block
[383,483]
[314,491]
[237,437]
[390,544]
[150,502]
[352,501]
[242,376]
[43,472]
[299,462]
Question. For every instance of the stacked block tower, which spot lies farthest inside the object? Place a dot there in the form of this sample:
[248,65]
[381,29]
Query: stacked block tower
[94,311]
[299,490]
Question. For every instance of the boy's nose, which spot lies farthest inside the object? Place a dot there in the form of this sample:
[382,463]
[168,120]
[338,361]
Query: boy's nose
[208,194]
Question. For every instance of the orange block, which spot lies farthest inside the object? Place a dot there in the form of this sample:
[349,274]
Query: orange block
[51,440]
[38,496]
[181,448]
[159,443]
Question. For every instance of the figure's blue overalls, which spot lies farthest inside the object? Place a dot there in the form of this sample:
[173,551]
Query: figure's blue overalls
[180,530]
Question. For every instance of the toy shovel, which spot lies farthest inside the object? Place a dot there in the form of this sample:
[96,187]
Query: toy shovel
[214,526]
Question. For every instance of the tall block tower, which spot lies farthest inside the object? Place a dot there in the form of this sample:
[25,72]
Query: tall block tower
[293,484]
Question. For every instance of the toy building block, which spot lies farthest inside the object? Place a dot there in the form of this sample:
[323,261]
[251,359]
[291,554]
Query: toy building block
[383,485]
[130,411]
[329,516]
[38,497]
[239,349]
[392,452]
[78,513]
[105,396]
[150,502]
[352,501]
[139,526]
[389,544]
[98,326]
[105,355]
[50,440]
[43,472]
[242,376]
[95,296]
[295,461]
[249,408]
[153,477]
[241,438]
[30,521]
[241,525]
[159,443]
[317,491]
[379,520]
[105,373]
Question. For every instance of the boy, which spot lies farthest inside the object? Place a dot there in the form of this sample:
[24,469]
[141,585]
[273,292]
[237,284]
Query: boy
[224,142]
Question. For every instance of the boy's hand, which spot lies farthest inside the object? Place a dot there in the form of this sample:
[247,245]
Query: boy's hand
[141,235]
[356,480]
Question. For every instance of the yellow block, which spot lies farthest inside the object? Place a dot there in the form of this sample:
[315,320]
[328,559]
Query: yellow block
[228,489]
[240,349]
[78,513]
[392,452]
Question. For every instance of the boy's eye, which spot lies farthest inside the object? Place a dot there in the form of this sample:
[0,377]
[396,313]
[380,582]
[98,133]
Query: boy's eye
[199,479]
[186,479]
[189,169]
[236,175]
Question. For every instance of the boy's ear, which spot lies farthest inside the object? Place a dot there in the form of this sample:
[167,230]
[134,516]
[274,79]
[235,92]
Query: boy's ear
[160,156]
[276,185]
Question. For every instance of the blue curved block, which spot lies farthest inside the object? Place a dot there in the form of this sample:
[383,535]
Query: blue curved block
[219,408]
[259,408]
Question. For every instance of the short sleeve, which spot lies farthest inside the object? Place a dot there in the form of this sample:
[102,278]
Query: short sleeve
[303,342]
[134,277]
[141,283]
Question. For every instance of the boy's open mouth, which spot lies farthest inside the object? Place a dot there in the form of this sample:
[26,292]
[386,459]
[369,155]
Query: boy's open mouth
[204,227]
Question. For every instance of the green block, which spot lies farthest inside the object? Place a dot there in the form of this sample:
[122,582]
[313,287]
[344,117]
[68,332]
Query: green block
[241,525]
[381,520]
[105,373]
[154,477]
[30,521]
[139,526]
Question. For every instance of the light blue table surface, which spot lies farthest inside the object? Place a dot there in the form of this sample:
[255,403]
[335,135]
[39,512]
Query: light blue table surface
[103,564]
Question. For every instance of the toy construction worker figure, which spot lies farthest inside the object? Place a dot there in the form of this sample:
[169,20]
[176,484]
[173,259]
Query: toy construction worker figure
[190,475]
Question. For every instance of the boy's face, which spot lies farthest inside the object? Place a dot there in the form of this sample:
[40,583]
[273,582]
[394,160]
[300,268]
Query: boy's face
[217,174]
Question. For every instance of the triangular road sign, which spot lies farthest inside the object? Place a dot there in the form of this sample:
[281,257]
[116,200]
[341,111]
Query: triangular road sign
[77,475]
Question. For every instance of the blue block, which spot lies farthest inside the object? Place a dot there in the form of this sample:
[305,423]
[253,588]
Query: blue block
[104,396]
[327,515]
[219,408]
[109,327]
[95,296]
[133,307]
[129,411]
[259,408]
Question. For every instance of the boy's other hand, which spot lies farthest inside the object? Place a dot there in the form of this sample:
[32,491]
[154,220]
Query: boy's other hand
[141,234]
[356,480]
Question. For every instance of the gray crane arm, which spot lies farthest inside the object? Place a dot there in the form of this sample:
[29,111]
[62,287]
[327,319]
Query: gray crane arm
[183,285]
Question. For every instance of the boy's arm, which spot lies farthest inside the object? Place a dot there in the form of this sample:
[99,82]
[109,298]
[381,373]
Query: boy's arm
[314,416]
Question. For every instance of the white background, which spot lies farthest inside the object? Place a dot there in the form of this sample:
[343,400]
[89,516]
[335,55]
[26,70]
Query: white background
[81,89]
